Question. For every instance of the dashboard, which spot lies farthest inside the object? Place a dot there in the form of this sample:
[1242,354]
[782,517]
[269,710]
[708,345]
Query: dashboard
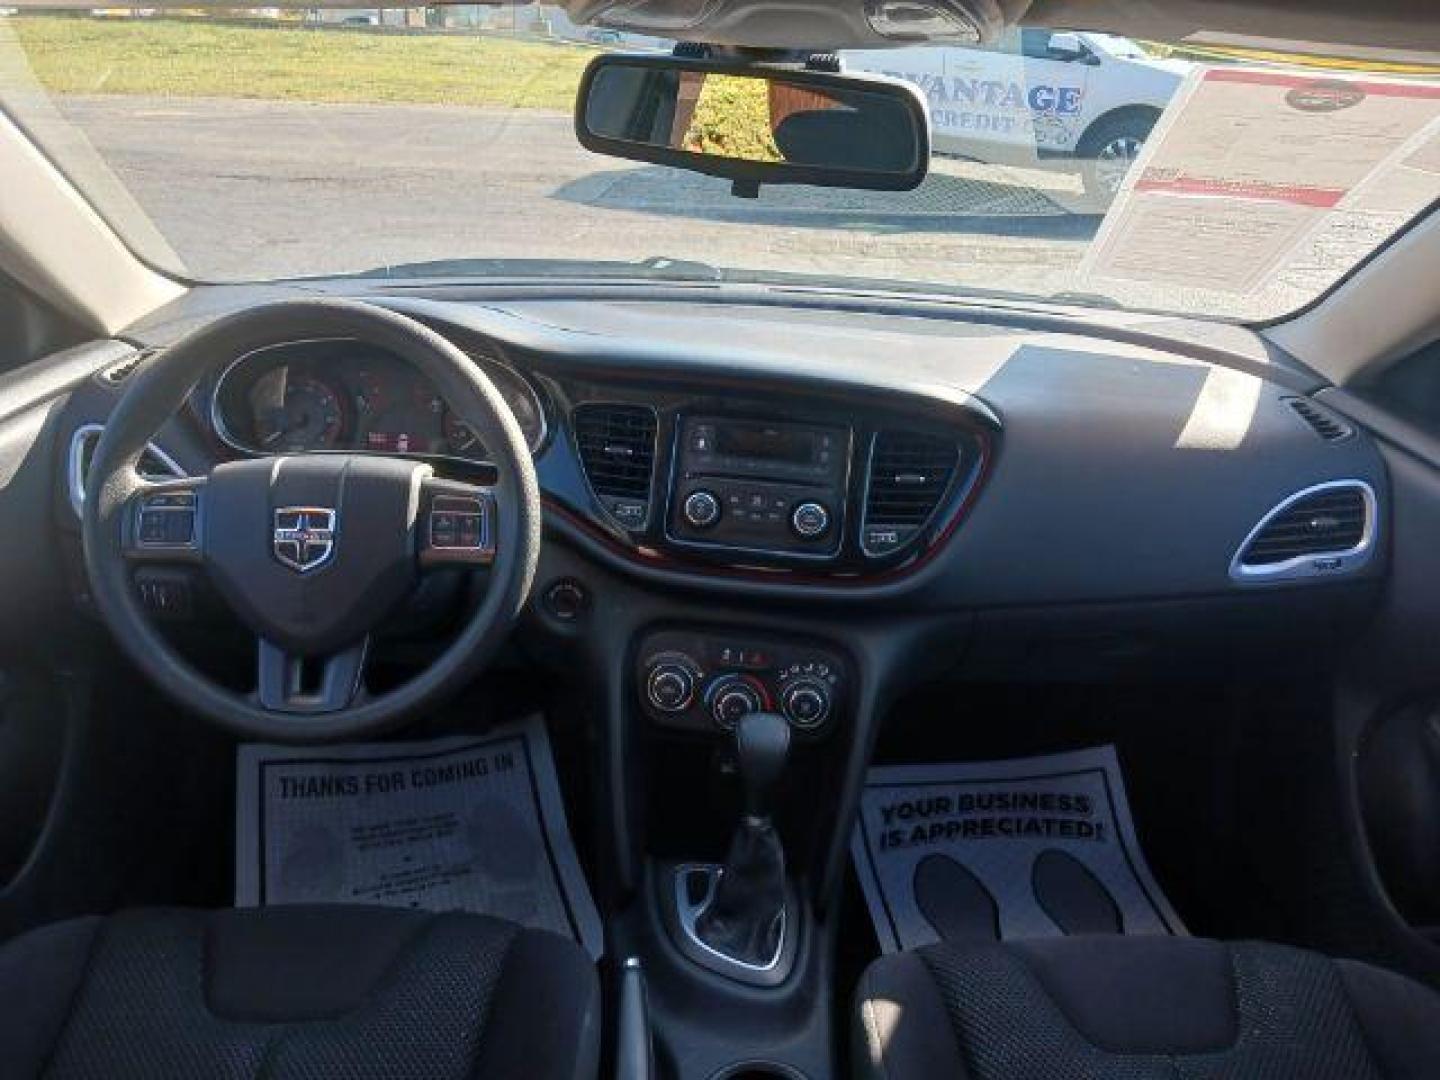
[343,395]
[917,459]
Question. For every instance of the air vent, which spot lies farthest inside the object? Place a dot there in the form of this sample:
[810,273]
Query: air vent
[154,463]
[1325,423]
[1320,531]
[909,475]
[617,451]
[117,373]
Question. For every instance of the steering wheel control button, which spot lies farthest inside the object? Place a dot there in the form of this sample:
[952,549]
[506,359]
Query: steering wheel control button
[671,687]
[810,520]
[459,529]
[731,697]
[456,523]
[806,703]
[702,509]
[166,520]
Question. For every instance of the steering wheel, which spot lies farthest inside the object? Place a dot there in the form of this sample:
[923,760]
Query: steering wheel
[312,551]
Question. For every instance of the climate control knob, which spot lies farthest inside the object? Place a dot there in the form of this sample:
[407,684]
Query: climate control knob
[702,509]
[732,697]
[810,520]
[670,687]
[806,703]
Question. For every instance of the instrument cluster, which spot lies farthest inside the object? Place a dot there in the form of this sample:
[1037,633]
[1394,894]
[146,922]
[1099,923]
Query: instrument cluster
[343,395]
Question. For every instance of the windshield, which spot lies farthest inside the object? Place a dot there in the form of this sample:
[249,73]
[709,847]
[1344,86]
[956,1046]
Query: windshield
[262,144]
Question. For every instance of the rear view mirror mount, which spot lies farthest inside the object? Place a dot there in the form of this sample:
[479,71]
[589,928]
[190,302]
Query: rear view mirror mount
[755,124]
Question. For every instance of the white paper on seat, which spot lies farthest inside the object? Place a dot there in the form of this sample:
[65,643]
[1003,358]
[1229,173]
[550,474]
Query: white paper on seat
[474,823]
[996,818]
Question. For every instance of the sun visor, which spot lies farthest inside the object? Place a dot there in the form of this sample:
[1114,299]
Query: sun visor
[1344,26]
[805,24]
[1327,29]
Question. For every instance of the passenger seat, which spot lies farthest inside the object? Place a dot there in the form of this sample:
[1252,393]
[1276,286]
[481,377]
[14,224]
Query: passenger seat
[1140,1008]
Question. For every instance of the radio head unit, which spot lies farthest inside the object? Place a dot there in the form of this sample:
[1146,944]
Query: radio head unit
[768,487]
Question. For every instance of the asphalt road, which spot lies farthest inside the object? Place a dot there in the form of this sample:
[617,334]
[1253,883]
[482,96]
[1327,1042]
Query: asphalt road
[245,189]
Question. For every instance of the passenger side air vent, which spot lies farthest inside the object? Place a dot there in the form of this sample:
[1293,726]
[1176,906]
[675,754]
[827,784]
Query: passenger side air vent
[118,372]
[617,451]
[909,475]
[1325,423]
[1319,531]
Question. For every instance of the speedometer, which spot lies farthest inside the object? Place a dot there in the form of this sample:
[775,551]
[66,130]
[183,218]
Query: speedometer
[296,411]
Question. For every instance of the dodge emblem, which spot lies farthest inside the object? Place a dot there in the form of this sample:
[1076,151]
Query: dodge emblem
[304,537]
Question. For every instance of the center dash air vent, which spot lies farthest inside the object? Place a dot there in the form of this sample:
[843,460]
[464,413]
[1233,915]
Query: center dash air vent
[1325,423]
[617,451]
[1322,530]
[909,475]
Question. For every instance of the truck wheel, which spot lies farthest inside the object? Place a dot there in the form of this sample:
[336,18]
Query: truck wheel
[1106,153]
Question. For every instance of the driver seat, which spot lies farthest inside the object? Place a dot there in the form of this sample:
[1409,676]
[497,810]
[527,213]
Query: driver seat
[306,991]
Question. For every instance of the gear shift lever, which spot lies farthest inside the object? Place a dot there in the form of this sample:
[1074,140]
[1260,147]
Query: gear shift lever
[762,747]
[744,921]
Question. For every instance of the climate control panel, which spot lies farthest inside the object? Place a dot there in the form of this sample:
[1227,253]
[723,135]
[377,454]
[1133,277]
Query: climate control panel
[704,681]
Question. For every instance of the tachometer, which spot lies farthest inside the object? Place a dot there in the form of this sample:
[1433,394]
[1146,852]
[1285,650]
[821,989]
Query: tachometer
[463,442]
[459,438]
[296,411]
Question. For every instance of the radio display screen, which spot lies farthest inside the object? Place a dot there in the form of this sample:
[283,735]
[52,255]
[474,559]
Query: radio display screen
[765,442]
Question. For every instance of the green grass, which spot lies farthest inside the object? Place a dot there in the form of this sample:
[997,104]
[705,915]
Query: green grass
[732,119]
[174,58]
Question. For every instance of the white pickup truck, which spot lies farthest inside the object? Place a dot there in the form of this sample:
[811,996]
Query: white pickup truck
[1039,97]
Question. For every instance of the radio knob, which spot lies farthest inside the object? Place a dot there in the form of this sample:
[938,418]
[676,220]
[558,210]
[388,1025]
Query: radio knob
[806,703]
[731,698]
[702,509]
[670,687]
[810,520]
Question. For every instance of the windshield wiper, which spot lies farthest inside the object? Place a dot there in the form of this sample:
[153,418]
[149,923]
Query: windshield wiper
[1085,299]
[662,266]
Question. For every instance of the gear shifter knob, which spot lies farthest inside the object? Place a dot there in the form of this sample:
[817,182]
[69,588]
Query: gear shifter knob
[762,746]
[744,922]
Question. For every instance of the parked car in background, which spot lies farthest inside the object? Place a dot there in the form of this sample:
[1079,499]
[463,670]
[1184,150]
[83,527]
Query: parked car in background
[1039,96]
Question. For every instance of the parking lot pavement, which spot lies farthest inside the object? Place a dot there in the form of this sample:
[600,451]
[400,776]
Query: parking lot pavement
[267,188]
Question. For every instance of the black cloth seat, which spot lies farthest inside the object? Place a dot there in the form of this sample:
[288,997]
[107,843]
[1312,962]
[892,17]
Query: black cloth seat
[1136,1008]
[303,992]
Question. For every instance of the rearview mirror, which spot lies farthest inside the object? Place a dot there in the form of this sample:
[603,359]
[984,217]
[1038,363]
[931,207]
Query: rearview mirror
[756,125]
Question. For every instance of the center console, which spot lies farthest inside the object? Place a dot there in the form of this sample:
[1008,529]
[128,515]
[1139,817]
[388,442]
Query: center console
[752,486]
[755,696]
[744,729]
